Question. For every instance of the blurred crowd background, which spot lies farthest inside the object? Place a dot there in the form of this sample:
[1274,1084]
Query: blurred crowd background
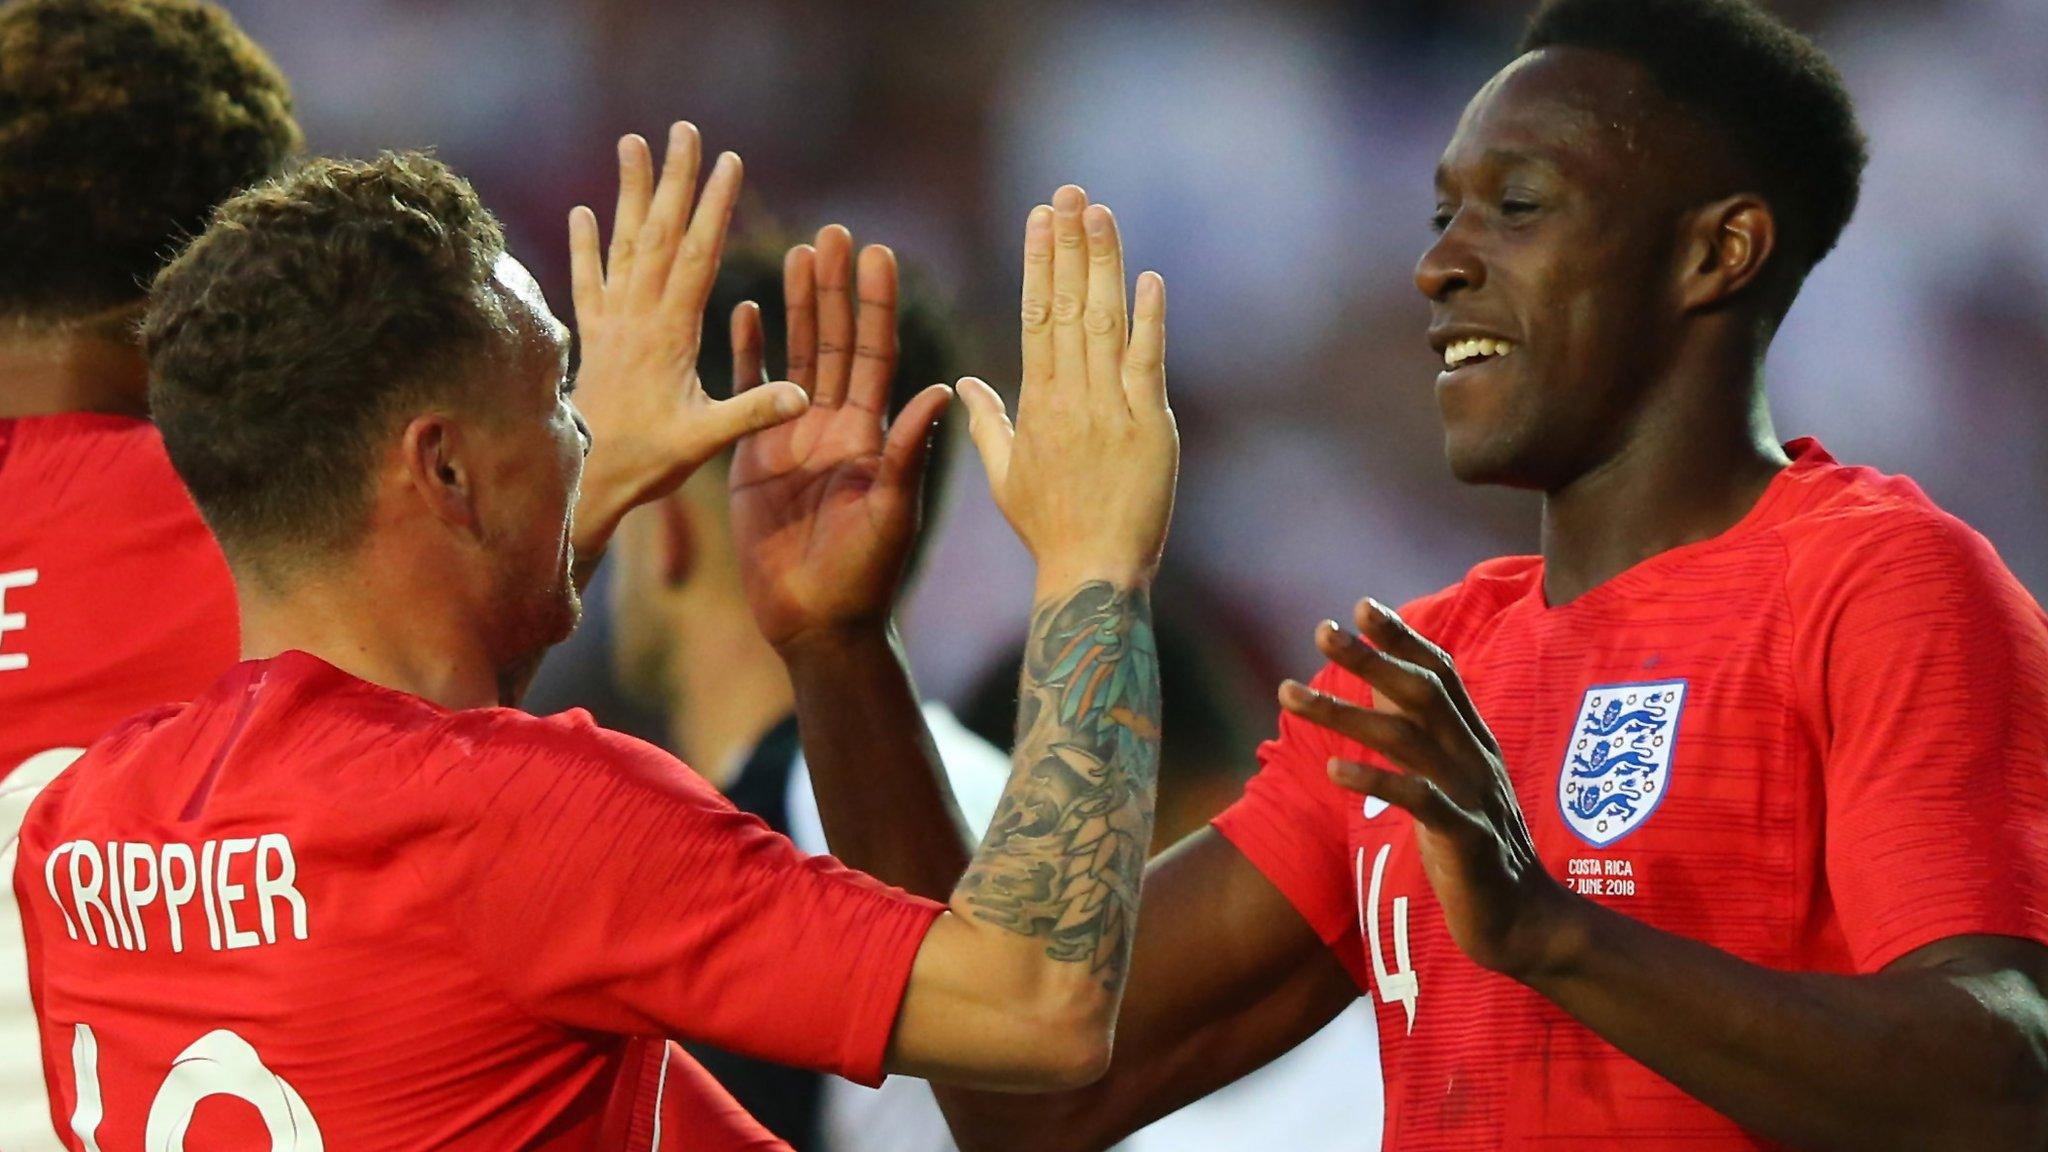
[1273,160]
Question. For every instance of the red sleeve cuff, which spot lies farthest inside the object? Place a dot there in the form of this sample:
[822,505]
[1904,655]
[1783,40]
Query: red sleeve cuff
[1251,833]
[884,965]
[2024,923]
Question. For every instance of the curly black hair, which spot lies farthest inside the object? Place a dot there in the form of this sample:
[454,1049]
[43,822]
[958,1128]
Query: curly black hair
[1780,102]
[289,335]
[122,124]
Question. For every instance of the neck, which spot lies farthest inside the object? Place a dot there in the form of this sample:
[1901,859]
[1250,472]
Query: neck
[1689,471]
[377,619]
[83,366]
[727,688]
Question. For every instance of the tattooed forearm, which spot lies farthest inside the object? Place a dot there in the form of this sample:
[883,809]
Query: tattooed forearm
[1066,851]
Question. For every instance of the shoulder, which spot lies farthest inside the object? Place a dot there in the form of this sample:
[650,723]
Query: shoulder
[1452,617]
[117,448]
[567,745]
[1864,532]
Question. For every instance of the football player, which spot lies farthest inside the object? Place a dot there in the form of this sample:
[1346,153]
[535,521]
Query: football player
[349,888]
[1728,827]
[122,124]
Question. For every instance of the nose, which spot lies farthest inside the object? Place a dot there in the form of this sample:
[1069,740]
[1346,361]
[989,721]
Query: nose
[1449,265]
[582,432]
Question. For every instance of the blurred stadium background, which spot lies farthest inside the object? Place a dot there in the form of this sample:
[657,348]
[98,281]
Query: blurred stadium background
[1273,160]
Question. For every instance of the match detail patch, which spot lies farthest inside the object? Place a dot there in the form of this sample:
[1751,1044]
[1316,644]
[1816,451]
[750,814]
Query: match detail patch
[1617,765]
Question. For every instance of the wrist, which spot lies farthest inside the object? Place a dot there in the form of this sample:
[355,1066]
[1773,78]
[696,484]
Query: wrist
[1562,933]
[838,645]
[1060,577]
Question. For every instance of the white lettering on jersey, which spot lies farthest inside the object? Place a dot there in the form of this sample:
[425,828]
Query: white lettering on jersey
[14,621]
[219,1063]
[127,886]
[1399,984]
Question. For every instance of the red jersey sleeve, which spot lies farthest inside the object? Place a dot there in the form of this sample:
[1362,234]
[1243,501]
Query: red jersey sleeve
[1288,823]
[1291,821]
[603,885]
[1923,666]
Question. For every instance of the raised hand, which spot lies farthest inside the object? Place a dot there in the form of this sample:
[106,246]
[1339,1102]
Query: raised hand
[825,507]
[1086,475]
[1447,773]
[640,315]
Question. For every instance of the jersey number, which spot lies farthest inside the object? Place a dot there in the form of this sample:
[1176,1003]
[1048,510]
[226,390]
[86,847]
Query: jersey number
[219,1063]
[1400,982]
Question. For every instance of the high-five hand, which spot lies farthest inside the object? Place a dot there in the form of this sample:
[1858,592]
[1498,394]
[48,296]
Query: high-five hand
[1086,475]
[1476,848]
[825,507]
[640,314]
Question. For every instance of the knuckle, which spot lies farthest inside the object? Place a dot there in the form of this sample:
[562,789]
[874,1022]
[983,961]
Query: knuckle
[1066,307]
[1100,321]
[1069,238]
[1037,311]
[694,251]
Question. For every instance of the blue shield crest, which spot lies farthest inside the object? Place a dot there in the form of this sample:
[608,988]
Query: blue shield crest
[1617,765]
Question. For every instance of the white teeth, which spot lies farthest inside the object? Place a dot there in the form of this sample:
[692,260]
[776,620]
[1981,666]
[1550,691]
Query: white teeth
[1459,351]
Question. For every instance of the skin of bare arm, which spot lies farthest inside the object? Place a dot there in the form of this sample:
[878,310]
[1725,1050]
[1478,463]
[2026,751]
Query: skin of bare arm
[1225,975]
[1017,986]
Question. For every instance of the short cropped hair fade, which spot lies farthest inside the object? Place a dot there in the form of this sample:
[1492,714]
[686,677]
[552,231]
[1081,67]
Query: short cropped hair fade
[1782,105]
[315,313]
[122,124]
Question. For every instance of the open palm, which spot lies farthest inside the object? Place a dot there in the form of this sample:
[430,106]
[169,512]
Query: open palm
[825,507]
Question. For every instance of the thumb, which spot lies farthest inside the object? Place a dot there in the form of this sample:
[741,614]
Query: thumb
[764,406]
[988,425]
[910,436]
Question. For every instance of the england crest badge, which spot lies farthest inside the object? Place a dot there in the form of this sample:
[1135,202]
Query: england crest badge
[1617,765]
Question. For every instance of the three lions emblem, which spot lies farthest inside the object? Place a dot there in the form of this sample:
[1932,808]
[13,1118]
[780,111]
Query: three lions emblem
[1617,765]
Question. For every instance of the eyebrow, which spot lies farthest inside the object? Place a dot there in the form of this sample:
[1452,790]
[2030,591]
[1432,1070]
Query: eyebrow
[1501,157]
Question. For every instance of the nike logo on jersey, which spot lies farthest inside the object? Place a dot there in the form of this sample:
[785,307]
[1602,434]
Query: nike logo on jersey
[1617,765]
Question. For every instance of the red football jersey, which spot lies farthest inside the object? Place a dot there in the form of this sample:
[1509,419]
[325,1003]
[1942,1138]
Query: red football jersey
[1817,741]
[113,598]
[113,595]
[306,911]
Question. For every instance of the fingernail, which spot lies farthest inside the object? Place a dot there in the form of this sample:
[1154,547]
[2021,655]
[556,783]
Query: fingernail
[1097,221]
[790,403]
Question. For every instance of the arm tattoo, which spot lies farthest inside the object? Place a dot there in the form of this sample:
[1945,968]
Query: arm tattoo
[1066,852]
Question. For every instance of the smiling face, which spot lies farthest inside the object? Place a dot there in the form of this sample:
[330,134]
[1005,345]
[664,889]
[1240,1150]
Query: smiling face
[1558,208]
[532,467]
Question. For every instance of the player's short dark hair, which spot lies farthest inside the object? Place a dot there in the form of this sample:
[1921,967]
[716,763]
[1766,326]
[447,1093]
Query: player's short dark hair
[926,351]
[314,310]
[1780,102]
[122,124]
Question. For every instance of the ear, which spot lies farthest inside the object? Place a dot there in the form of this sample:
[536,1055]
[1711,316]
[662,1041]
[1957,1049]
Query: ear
[1729,245]
[437,473]
[675,540]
